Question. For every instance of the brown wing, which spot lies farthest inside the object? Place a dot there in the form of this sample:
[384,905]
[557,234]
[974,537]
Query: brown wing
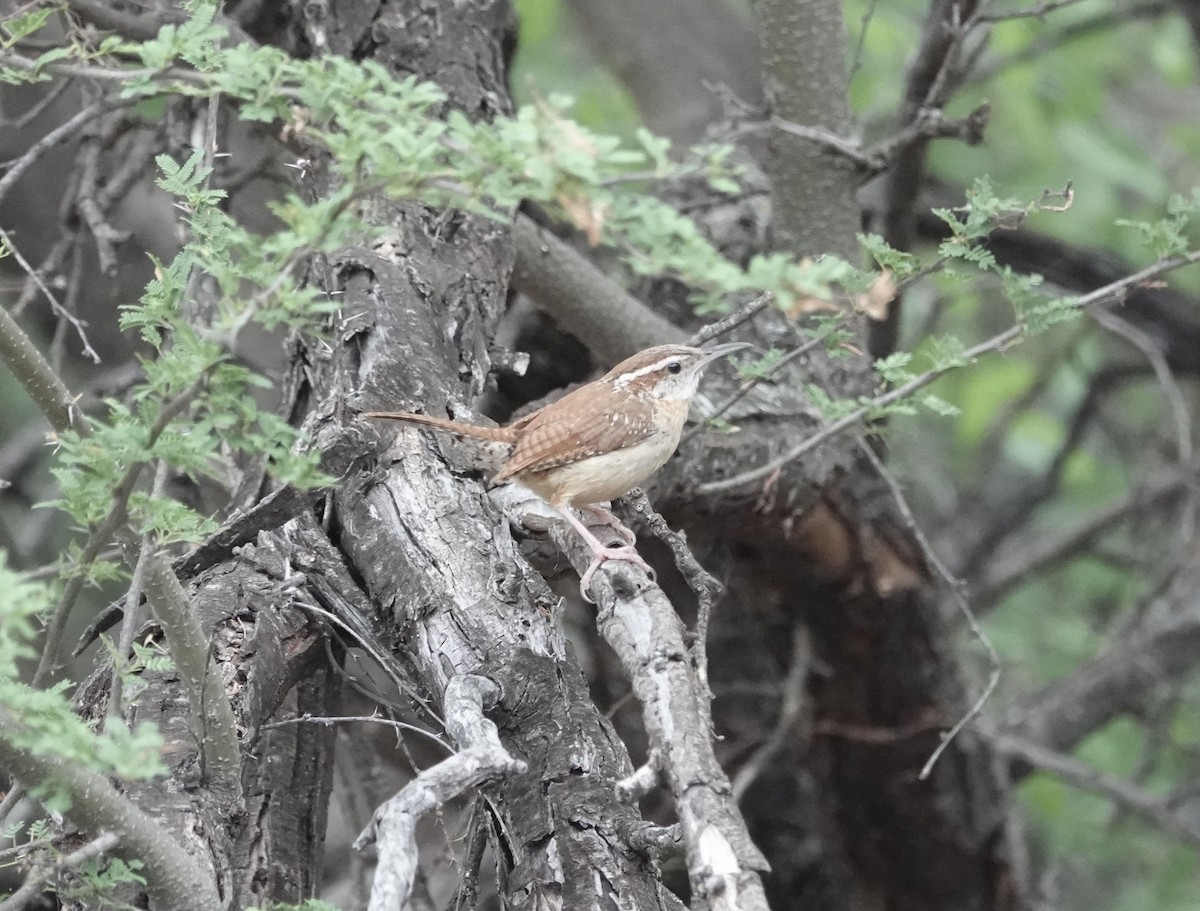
[585,422]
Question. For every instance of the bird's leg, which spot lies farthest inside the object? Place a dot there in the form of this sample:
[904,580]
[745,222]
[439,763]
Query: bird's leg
[601,516]
[600,553]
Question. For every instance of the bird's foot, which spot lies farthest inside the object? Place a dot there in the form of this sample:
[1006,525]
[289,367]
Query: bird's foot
[598,515]
[626,554]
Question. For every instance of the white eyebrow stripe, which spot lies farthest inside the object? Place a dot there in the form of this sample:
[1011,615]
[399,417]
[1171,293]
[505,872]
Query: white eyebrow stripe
[626,378]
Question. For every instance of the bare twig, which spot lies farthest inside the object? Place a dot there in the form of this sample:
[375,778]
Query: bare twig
[850,148]
[742,314]
[36,109]
[955,587]
[1039,11]
[132,615]
[1180,410]
[16,791]
[32,887]
[103,73]
[59,134]
[1007,569]
[329,720]
[59,310]
[860,44]
[135,26]
[703,583]
[749,385]
[468,882]
[389,667]
[1125,794]
[789,713]
[932,123]
[103,233]
[1047,41]
[870,162]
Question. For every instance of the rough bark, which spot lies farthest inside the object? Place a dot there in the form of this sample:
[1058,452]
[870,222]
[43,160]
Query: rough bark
[803,45]
[265,646]
[448,588]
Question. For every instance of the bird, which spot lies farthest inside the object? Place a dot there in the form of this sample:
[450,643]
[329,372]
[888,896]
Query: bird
[597,442]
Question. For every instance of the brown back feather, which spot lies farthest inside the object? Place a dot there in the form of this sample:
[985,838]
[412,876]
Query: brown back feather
[575,427]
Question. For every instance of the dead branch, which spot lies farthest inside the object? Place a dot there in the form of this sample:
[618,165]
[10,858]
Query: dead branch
[481,758]
[638,621]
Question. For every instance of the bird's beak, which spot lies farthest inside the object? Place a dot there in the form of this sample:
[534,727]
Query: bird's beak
[711,354]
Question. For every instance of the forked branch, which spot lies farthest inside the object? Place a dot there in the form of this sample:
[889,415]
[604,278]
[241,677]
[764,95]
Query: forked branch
[481,758]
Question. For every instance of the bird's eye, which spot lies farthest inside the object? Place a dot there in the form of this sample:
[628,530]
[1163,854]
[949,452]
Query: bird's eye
[674,367]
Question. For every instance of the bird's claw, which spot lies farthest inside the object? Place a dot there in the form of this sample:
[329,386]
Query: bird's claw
[625,554]
[600,516]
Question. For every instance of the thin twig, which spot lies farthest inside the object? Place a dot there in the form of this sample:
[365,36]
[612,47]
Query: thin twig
[61,311]
[703,583]
[388,667]
[1180,411]
[1125,794]
[1006,570]
[132,615]
[849,148]
[105,74]
[1032,12]
[59,134]
[860,44]
[743,314]
[37,108]
[87,204]
[1112,291]
[749,385]
[789,713]
[16,791]
[32,887]
[468,882]
[134,26]
[328,720]
[955,587]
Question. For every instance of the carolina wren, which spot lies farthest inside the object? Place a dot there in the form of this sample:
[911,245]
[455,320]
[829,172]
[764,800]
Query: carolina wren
[598,441]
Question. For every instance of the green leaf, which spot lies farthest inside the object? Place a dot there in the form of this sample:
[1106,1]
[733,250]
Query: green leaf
[14,28]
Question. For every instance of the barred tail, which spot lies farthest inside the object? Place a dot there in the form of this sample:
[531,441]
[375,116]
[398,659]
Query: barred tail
[459,428]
